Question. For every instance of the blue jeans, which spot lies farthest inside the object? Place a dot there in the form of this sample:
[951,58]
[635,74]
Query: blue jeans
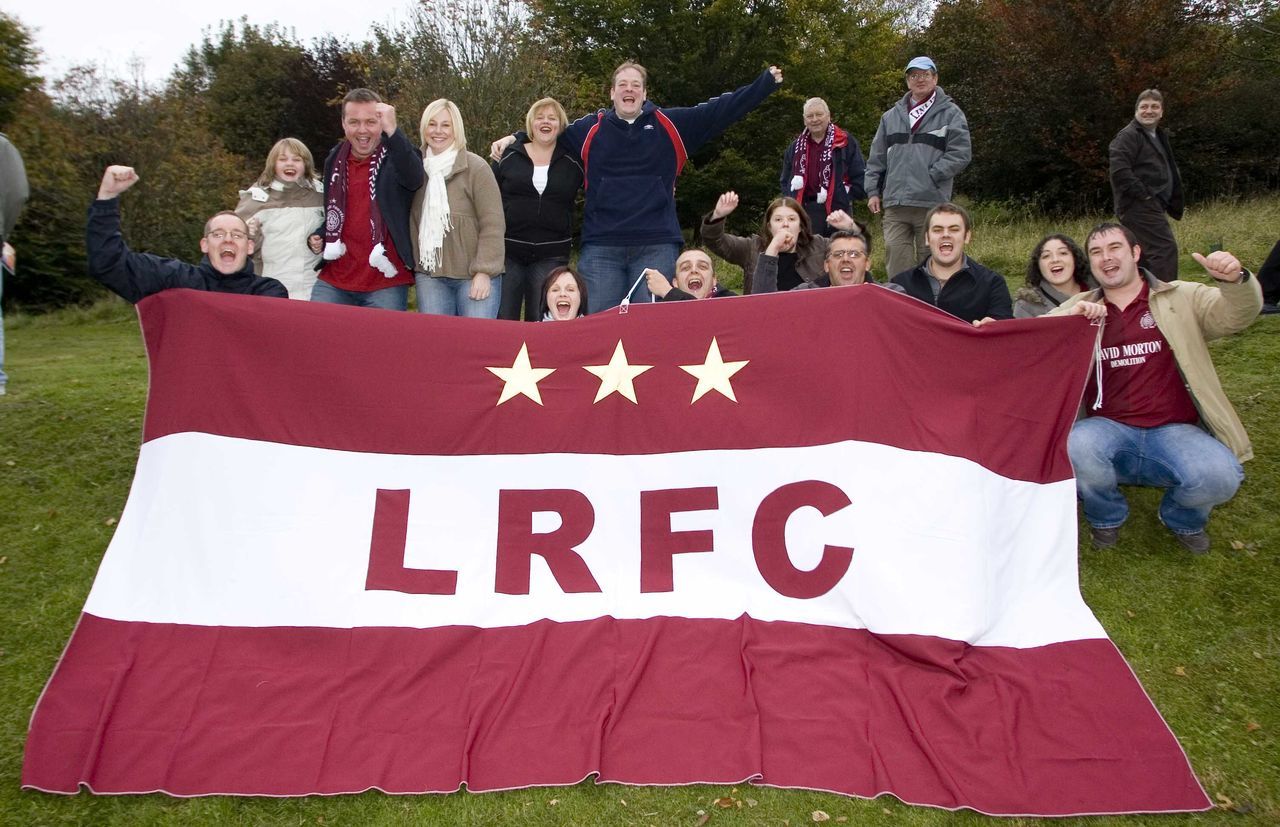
[610,271]
[451,297]
[522,284]
[1197,471]
[395,297]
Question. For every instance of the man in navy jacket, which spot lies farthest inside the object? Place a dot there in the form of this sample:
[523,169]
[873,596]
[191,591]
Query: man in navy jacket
[950,280]
[225,268]
[632,155]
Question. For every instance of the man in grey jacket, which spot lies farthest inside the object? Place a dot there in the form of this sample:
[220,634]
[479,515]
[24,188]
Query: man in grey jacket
[921,145]
[13,196]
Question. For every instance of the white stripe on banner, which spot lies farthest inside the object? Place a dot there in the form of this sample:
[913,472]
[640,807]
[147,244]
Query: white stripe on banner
[231,532]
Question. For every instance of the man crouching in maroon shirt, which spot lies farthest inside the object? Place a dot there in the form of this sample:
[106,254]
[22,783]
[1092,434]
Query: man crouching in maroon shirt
[1159,415]
[369,181]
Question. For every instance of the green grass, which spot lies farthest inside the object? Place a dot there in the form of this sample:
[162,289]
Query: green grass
[1201,633]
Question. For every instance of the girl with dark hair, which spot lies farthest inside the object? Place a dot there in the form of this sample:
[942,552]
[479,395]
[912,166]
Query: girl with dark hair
[564,296]
[1057,271]
[785,233]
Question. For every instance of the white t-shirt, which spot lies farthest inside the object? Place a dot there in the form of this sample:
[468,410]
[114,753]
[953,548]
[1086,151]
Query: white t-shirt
[540,177]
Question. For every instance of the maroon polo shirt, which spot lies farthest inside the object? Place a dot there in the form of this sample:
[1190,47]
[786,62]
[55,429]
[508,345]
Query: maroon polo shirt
[352,270]
[1141,385]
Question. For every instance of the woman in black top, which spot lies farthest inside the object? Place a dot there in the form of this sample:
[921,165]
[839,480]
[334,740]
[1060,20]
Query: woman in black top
[540,181]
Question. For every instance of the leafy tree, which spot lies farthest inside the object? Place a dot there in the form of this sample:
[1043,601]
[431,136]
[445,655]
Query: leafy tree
[18,59]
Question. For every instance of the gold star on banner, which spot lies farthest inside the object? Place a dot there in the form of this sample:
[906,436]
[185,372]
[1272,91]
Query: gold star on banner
[617,376]
[714,374]
[521,377]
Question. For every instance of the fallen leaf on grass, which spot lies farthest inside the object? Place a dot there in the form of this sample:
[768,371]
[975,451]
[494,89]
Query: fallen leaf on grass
[109,521]
[723,803]
[1252,726]
[751,802]
[1224,802]
[1237,545]
[4,559]
[703,818]
[841,819]
[553,802]
[1129,613]
[10,463]
[819,815]
[1180,671]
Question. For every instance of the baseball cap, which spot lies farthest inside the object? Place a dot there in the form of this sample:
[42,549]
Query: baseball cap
[922,62]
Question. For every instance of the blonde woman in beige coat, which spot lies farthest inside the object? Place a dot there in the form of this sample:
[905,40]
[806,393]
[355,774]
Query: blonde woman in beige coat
[456,222]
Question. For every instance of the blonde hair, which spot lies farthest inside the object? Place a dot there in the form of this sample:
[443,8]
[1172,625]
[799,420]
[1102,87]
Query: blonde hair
[434,108]
[297,148]
[538,106]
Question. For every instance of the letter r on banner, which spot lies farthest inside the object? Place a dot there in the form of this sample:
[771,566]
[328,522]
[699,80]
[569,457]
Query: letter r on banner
[517,543]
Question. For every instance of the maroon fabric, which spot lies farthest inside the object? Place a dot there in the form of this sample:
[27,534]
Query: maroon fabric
[278,374]
[1141,384]
[189,710]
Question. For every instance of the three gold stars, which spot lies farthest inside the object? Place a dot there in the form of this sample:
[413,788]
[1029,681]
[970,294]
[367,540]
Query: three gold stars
[618,376]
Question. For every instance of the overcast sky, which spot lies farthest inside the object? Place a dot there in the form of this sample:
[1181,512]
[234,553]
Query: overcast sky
[114,32]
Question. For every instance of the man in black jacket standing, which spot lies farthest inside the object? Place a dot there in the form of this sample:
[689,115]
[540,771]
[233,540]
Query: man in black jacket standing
[950,280]
[1145,185]
[226,267]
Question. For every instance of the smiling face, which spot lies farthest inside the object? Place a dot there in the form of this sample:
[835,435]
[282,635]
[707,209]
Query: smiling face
[921,82]
[947,237]
[1149,112]
[362,127]
[627,93]
[438,132]
[783,218]
[1113,260]
[546,126]
[289,166]
[1057,265]
[816,118]
[563,298]
[847,262]
[695,274]
[226,243]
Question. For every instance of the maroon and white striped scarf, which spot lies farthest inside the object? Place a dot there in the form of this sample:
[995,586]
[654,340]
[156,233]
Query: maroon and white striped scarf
[800,166]
[335,210]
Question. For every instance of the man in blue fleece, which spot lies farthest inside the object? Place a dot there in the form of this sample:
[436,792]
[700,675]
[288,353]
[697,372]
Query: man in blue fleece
[632,155]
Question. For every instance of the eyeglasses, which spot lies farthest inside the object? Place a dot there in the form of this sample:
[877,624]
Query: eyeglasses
[919,75]
[220,235]
[853,254]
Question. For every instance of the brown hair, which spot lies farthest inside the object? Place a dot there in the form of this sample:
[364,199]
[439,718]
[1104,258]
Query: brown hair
[803,238]
[297,148]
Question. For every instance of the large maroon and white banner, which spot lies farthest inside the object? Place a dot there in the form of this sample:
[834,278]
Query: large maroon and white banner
[821,540]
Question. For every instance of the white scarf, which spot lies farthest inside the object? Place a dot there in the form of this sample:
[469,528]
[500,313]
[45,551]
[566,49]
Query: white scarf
[434,224]
[917,113]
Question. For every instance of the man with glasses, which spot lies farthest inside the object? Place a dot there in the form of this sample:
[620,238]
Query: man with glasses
[921,145]
[848,262]
[226,267]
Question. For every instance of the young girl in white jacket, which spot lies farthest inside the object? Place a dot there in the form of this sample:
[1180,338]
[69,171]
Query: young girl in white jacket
[283,208]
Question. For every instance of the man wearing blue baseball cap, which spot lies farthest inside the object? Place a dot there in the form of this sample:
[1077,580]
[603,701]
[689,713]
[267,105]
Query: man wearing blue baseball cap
[921,145]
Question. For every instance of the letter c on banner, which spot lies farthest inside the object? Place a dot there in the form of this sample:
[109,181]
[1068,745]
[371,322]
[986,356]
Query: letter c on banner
[769,540]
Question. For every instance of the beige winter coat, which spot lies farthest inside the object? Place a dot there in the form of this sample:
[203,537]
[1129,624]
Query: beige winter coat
[1190,314]
[474,244]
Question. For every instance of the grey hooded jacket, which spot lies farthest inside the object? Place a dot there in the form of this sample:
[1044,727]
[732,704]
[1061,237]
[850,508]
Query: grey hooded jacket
[916,169]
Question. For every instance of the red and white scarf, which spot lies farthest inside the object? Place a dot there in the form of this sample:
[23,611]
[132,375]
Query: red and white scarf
[800,164]
[335,211]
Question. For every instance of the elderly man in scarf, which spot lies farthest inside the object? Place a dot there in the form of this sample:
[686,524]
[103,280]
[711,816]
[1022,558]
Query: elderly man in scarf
[823,167]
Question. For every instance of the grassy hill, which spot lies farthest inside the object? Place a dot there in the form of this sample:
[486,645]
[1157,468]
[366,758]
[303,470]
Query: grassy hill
[1200,632]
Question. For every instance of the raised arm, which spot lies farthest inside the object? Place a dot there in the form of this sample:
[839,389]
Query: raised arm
[132,276]
[699,124]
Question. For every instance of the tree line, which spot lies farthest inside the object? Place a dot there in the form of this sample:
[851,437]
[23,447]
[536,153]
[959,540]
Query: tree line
[1045,86]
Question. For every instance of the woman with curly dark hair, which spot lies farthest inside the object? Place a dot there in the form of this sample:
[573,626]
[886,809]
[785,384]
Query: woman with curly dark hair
[1057,271]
